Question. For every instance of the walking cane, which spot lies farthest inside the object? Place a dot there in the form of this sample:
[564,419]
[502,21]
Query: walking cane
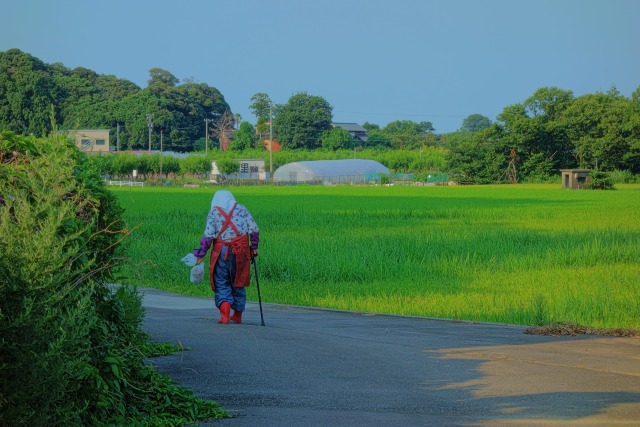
[255,268]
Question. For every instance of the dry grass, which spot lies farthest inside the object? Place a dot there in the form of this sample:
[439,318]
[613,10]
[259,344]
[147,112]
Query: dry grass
[575,330]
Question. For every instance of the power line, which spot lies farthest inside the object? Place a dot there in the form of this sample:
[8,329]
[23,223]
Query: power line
[403,114]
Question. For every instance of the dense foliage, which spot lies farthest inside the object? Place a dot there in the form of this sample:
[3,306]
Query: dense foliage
[301,122]
[83,99]
[551,130]
[72,351]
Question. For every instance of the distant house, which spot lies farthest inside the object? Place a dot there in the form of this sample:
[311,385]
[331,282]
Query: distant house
[356,131]
[91,140]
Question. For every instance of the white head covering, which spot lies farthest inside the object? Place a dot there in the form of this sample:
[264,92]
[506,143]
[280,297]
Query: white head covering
[223,199]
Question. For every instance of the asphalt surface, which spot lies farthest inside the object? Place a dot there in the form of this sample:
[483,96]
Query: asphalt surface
[313,367]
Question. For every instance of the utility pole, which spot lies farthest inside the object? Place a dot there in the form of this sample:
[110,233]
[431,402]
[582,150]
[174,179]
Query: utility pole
[118,136]
[206,136]
[160,153]
[150,125]
[270,141]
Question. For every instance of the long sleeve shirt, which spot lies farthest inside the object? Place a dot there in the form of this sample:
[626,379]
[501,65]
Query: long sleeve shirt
[243,221]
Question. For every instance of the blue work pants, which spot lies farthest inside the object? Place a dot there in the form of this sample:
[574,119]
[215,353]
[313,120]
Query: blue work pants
[223,276]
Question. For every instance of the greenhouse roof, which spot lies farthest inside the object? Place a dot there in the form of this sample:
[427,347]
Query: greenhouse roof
[314,169]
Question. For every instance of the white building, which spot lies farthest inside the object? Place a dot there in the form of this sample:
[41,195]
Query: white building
[91,140]
[250,169]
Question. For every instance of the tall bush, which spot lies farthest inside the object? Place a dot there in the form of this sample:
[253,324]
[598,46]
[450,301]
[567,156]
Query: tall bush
[601,181]
[71,348]
[48,267]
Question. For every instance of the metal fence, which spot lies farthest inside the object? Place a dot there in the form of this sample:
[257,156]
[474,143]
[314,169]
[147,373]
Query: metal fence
[126,183]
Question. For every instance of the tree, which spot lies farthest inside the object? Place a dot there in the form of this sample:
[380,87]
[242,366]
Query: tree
[477,158]
[370,126]
[89,100]
[195,102]
[261,108]
[407,133]
[302,120]
[27,92]
[604,131]
[221,126]
[160,79]
[245,138]
[535,130]
[635,96]
[83,98]
[548,102]
[475,123]
[337,139]
[408,127]
[132,111]
[377,139]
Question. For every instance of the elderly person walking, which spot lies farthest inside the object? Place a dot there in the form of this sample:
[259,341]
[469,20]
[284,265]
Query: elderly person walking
[235,236]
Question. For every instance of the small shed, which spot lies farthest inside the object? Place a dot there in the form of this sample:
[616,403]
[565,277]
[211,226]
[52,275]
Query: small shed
[349,171]
[575,179]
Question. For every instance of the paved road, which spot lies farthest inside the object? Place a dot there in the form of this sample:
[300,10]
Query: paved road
[310,367]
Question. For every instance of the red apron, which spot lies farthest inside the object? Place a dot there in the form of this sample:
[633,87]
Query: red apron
[239,247]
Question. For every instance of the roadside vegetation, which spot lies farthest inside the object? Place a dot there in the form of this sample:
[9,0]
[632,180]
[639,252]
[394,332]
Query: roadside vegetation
[72,351]
[526,254]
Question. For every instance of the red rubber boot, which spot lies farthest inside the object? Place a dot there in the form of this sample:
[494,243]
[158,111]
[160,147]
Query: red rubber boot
[237,317]
[225,308]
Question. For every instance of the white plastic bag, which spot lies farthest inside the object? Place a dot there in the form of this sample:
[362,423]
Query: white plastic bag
[189,259]
[197,273]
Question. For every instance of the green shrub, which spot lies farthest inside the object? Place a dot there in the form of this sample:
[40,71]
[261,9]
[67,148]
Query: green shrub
[227,166]
[46,287]
[623,177]
[71,351]
[600,181]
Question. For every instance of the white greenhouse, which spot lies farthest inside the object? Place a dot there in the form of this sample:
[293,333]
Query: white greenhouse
[350,171]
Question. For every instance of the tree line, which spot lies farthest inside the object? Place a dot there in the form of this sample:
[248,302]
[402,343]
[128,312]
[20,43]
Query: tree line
[551,130]
[82,99]
[531,140]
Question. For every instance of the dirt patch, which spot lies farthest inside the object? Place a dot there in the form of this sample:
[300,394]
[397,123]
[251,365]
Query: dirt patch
[574,330]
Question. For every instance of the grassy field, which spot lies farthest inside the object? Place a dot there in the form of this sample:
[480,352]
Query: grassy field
[523,254]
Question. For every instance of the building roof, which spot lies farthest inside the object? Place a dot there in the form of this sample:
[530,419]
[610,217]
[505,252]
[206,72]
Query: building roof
[349,127]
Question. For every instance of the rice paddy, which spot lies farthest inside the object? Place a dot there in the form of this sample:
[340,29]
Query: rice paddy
[523,254]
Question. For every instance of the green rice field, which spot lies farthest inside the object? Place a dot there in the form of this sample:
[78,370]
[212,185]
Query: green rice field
[520,254]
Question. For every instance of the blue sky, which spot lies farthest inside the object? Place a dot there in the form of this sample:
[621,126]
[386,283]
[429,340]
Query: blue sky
[372,60]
